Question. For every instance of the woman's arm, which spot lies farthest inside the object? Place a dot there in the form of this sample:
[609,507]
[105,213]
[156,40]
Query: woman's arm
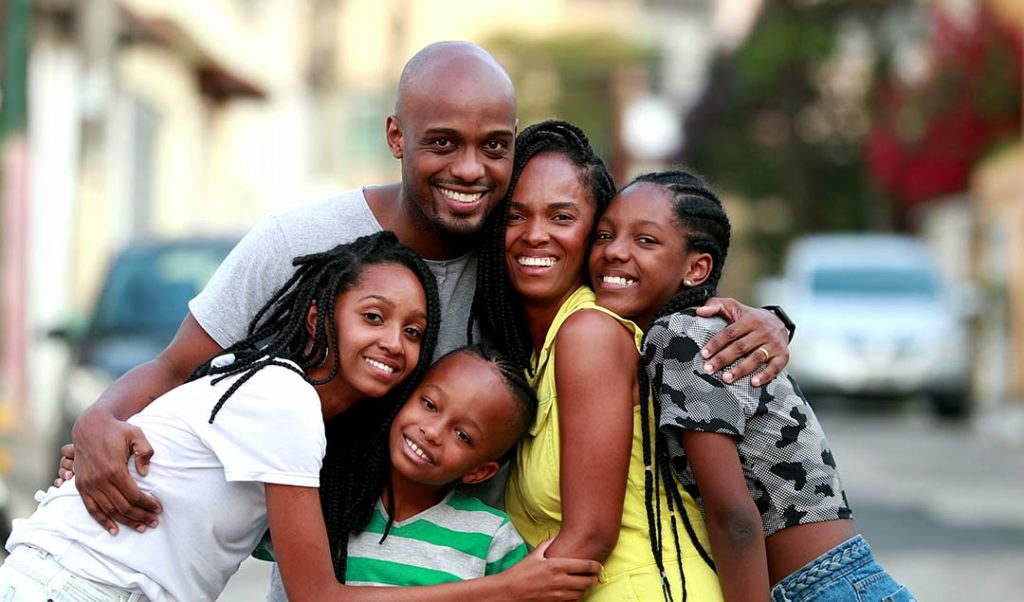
[595,374]
[304,558]
[734,524]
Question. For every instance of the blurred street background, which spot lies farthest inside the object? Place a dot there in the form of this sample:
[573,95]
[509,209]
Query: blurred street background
[869,152]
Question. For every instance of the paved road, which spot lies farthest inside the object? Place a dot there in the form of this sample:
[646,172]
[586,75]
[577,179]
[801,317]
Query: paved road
[942,504]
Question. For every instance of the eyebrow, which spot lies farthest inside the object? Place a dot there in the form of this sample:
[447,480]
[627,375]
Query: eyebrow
[455,133]
[558,205]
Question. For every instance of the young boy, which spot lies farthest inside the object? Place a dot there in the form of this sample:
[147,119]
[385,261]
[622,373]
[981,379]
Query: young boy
[469,411]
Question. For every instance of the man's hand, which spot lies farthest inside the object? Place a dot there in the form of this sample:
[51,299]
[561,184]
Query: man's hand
[98,460]
[754,334]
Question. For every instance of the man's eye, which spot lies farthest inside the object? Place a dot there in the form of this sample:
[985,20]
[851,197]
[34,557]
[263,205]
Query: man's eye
[496,145]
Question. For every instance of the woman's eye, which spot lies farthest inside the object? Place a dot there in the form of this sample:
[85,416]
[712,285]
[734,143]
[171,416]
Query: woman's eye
[374,317]
[413,332]
[515,217]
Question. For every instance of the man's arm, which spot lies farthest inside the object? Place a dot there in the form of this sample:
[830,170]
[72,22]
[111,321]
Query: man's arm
[750,330]
[103,441]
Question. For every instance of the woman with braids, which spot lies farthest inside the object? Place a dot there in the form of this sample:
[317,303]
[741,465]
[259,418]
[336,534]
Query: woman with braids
[755,457]
[579,474]
[244,445]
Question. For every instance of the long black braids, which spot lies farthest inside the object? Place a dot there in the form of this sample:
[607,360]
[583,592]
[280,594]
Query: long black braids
[356,463]
[495,304]
[700,215]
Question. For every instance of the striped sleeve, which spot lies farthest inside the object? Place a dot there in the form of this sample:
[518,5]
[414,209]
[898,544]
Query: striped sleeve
[507,548]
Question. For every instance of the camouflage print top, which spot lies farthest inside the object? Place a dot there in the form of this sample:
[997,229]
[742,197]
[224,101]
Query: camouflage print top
[786,459]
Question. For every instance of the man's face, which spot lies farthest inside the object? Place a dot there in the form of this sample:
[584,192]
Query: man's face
[455,140]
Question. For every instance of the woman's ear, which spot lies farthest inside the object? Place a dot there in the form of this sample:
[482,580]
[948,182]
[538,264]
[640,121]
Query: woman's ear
[311,319]
[698,268]
[480,473]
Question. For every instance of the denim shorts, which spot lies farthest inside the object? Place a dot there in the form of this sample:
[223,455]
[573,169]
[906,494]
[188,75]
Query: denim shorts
[847,572]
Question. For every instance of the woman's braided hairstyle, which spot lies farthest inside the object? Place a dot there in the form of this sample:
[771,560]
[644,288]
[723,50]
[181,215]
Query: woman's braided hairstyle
[705,226]
[495,305]
[356,464]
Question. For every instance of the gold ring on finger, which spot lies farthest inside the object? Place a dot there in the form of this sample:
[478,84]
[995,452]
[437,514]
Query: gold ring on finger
[767,356]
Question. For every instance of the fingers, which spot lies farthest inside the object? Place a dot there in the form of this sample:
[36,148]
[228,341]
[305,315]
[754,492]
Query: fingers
[66,465]
[96,510]
[757,333]
[67,452]
[732,343]
[729,309]
[143,452]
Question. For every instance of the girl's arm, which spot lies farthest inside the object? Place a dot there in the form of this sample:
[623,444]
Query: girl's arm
[734,523]
[595,372]
[303,555]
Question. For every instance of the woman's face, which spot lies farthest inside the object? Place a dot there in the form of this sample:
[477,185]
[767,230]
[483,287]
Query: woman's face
[549,225]
[639,257]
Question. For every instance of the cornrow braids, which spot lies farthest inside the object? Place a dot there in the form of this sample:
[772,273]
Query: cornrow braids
[706,227]
[356,464]
[495,304]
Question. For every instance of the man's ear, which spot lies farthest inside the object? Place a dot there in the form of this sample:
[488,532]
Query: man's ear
[480,473]
[393,133]
[311,319]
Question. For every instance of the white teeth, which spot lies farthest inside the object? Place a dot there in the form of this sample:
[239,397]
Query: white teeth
[537,262]
[416,449]
[461,197]
[617,281]
[380,365]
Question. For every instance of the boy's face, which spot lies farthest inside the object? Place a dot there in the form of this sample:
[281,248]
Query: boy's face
[455,425]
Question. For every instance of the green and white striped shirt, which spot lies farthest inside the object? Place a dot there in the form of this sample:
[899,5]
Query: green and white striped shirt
[459,538]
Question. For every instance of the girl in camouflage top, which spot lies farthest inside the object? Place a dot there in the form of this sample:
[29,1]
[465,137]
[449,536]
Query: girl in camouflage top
[755,457]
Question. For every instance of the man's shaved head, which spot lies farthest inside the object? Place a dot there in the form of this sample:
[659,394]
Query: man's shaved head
[451,64]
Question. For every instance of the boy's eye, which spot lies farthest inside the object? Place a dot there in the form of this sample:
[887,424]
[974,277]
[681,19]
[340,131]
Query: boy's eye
[646,240]
[463,435]
[563,217]
[602,236]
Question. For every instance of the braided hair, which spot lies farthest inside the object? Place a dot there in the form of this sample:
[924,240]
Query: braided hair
[495,304]
[356,463]
[704,224]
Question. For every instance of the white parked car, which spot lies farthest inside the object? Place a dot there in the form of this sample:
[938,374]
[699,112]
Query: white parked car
[874,316]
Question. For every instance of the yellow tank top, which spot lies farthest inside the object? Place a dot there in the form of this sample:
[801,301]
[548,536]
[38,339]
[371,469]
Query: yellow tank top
[532,495]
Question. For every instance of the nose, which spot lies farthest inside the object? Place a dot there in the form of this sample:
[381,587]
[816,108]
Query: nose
[467,166]
[615,250]
[390,339]
[535,231]
[431,432]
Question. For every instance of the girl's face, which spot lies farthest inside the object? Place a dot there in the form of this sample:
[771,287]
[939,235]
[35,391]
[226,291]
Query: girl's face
[550,220]
[455,424]
[639,259]
[380,322]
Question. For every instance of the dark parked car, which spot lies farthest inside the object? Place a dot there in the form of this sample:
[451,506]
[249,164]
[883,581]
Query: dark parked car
[141,304]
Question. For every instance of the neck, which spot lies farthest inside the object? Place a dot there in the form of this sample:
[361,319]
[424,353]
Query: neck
[410,497]
[334,399]
[540,314]
[398,213]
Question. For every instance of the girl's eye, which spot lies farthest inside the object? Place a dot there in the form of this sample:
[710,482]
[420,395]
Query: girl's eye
[602,236]
[413,332]
[515,217]
[463,435]
[429,405]
[563,217]
[373,317]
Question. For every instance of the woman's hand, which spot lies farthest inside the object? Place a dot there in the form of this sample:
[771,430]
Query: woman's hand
[754,334]
[548,579]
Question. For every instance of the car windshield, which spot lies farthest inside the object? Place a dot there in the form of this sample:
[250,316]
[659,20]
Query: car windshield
[147,290]
[874,282]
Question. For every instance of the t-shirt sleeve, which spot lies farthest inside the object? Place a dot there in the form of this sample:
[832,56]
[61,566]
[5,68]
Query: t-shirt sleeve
[690,399]
[270,430]
[254,270]
[507,548]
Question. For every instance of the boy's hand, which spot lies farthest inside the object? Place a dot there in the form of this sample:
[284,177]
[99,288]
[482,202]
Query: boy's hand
[550,579]
[757,335]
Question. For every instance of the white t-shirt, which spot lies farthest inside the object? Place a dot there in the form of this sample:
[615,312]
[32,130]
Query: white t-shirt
[210,479]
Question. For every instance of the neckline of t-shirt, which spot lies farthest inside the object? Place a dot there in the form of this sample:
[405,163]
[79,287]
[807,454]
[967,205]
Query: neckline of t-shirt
[441,263]
[415,517]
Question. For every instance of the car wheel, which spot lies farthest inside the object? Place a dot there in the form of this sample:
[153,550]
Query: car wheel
[949,405]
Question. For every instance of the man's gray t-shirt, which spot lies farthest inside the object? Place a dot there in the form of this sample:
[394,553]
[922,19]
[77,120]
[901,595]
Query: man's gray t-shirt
[262,262]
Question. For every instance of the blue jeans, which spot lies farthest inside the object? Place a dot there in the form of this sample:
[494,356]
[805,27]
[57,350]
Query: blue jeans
[847,572]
